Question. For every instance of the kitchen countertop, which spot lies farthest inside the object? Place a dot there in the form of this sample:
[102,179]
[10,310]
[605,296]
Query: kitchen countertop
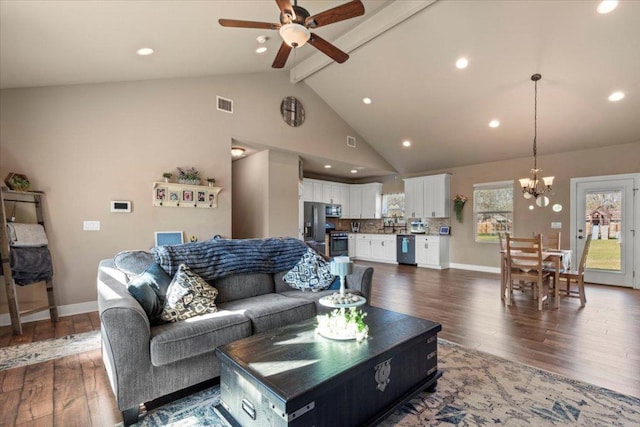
[404,233]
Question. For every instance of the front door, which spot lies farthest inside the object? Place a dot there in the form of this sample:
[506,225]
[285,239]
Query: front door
[604,208]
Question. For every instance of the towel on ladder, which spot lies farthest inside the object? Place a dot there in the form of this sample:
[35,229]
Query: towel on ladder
[26,235]
[30,265]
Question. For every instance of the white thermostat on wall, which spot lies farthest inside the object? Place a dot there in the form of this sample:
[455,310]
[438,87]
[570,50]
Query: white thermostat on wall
[121,206]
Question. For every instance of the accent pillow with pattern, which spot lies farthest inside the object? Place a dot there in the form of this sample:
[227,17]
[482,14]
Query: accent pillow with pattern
[311,272]
[188,295]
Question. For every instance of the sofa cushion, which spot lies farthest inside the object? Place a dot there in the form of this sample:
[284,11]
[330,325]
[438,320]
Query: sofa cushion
[188,295]
[150,290]
[315,296]
[310,273]
[239,286]
[202,334]
[133,263]
[271,310]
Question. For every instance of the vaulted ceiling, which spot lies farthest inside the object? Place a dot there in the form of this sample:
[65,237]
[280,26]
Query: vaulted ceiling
[402,56]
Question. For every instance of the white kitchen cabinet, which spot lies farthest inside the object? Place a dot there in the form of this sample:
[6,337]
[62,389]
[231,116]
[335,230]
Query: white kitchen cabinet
[383,248]
[432,251]
[363,246]
[307,195]
[437,196]
[375,247]
[414,197]
[345,200]
[352,245]
[427,196]
[365,200]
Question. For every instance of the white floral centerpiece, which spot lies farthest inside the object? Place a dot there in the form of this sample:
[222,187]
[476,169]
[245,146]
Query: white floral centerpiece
[343,324]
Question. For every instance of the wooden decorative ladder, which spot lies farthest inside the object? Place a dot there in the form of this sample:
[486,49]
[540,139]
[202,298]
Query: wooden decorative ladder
[30,197]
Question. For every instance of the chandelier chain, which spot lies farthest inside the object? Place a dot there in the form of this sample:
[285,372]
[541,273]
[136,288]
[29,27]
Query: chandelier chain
[535,126]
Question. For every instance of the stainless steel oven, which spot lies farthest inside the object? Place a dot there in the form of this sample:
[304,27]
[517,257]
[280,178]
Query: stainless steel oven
[338,243]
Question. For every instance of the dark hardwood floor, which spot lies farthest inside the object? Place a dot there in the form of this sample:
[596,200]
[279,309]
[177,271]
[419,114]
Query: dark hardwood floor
[598,343]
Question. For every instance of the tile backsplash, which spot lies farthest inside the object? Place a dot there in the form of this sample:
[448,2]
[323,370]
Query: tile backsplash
[373,226]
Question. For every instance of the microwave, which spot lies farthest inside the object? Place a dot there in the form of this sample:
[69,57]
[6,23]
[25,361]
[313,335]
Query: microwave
[333,211]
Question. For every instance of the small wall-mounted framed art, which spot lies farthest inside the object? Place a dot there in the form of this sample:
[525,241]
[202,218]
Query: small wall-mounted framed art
[169,238]
[445,229]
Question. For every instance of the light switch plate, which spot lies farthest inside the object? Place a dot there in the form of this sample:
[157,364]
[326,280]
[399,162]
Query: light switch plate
[91,225]
[556,225]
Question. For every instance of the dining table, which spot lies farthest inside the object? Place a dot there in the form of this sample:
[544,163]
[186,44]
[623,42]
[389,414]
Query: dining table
[558,259]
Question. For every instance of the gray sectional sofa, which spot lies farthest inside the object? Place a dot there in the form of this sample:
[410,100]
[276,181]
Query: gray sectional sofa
[145,362]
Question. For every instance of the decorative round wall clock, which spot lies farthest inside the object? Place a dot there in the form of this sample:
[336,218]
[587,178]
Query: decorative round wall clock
[292,111]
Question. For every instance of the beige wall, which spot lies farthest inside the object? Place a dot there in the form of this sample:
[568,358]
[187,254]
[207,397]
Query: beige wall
[613,160]
[265,195]
[85,145]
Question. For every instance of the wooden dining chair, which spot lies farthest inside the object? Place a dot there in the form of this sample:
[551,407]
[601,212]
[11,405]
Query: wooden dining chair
[550,240]
[577,276]
[524,266]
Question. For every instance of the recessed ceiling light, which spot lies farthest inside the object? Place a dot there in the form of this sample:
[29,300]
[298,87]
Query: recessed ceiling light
[616,96]
[494,123]
[607,6]
[261,49]
[327,166]
[367,100]
[406,143]
[145,51]
[531,207]
[462,63]
[354,171]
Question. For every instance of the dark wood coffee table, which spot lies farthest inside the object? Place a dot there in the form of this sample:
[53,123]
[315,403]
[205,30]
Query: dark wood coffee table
[293,377]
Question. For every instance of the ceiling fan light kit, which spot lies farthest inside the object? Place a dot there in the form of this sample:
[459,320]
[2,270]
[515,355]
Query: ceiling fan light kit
[295,24]
[531,187]
[295,35]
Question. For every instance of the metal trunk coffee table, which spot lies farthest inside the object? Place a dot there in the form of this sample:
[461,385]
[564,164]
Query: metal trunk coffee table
[293,376]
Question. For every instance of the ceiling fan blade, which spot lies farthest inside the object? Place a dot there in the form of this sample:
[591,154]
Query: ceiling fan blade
[281,56]
[247,24]
[327,48]
[286,8]
[340,13]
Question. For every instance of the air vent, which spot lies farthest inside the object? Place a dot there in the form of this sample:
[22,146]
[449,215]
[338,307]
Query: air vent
[351,141]
[225,104]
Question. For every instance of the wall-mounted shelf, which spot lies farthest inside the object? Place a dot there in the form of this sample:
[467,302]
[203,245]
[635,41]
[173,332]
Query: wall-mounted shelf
[174,195]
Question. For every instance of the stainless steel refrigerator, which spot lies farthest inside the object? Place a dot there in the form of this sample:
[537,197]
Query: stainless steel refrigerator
[315,225]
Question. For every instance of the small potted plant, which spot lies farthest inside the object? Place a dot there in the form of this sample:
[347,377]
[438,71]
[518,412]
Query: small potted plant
[211,181]
[167,176]
[17,182]
[343,323]
[188,176]
[458,204]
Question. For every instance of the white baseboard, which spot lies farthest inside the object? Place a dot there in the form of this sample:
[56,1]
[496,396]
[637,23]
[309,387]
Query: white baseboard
[482,268]
[63,310]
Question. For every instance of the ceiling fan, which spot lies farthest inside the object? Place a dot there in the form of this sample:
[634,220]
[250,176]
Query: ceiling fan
[294,26]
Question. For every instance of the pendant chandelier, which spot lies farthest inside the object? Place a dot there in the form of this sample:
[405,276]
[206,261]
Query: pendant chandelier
[533,187]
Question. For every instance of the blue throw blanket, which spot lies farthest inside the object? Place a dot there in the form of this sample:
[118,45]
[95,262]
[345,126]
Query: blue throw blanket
[30,265]
[217,258]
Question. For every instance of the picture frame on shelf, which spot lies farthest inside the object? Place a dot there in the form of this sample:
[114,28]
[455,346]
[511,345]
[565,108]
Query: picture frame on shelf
[202,197]
[174,196]
[212,200]
[161,194]
[169,238]
[187,195]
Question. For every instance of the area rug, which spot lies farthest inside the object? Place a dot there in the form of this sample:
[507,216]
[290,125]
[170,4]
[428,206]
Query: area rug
[476,389]
[41,351]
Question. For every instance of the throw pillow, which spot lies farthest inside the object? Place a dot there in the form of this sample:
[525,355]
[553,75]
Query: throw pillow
[311,272]
[150,289]
[188,295]
[133,263]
